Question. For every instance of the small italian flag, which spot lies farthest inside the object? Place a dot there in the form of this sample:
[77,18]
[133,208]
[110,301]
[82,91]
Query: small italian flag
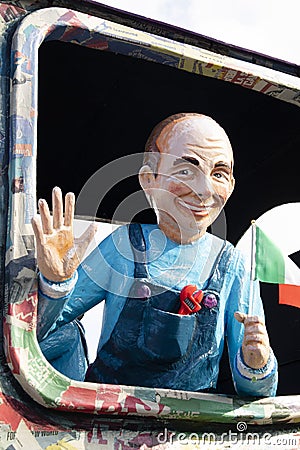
[272,266]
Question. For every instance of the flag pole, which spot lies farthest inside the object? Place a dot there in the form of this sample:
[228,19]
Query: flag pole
[252,269]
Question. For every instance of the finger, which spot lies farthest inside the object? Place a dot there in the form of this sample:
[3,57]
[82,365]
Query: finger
[45,216]
[254,327]
[85,239]
[37,229]
[253,320]
[57,204]
[240,317]
[255,339]
[69,209]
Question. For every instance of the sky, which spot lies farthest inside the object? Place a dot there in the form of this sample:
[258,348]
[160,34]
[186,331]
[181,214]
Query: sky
[270,27]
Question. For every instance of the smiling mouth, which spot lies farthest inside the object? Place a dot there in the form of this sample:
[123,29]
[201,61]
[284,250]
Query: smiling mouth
[196,210]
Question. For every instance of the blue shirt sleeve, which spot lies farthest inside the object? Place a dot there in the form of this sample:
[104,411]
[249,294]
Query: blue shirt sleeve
[247,381]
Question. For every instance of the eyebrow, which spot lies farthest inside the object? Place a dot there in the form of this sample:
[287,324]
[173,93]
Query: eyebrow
[195,162]
[223,164]
[184,159]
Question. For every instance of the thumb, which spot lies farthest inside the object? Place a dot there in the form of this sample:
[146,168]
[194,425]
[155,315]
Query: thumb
[85,239]
[240,317]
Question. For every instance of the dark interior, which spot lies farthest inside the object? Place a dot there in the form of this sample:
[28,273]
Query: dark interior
[96,106]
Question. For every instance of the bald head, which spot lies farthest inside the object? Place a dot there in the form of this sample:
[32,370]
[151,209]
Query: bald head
[187,174]
[207,130]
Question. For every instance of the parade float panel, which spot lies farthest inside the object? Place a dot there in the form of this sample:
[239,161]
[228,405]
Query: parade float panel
[108,91]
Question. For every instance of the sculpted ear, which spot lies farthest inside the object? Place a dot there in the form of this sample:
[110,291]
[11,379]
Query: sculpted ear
[232,185]
[146,178]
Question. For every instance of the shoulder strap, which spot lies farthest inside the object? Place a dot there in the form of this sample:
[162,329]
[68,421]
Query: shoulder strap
[138,246]
[219,268]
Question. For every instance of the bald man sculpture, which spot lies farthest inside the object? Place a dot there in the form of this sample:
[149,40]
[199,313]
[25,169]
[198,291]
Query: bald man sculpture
[173,292]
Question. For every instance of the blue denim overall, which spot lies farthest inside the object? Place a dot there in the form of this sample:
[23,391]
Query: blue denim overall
[151,345]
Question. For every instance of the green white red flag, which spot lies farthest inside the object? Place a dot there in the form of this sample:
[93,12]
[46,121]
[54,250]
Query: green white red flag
[267,245]
[272,266]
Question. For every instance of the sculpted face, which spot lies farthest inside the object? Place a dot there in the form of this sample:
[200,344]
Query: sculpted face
[194,178]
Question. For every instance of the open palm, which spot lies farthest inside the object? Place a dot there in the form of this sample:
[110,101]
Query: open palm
[58,252]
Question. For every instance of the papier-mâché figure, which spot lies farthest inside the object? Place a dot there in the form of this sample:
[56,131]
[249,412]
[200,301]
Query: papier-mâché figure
[149,337]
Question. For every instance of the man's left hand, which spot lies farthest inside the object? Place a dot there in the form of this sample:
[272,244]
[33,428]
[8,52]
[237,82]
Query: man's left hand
[256,345]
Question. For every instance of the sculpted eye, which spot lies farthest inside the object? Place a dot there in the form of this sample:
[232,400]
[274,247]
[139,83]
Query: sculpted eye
[218,175]
[221,175]
[184,172]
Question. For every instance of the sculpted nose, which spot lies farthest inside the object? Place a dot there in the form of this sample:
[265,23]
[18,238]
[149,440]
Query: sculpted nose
[203,187]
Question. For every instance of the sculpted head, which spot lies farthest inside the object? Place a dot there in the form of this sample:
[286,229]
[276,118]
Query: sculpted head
[187,174]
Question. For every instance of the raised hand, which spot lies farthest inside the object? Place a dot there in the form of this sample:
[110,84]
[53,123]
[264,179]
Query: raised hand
[255,346]
[58,253]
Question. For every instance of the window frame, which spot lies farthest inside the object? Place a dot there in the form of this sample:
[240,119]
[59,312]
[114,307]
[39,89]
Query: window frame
[37,377]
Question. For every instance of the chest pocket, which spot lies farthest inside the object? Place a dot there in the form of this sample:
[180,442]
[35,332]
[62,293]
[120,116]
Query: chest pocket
[163,336]
[168,337]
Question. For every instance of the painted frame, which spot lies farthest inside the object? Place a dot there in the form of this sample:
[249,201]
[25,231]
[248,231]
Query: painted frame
[37,377]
